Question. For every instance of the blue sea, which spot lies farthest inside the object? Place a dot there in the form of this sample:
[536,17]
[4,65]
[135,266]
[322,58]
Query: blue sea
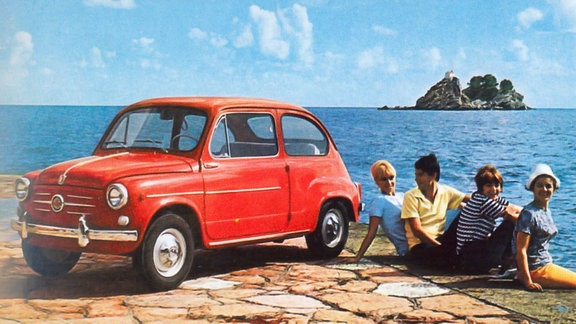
[34,137]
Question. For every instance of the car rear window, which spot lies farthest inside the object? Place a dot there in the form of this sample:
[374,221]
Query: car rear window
[302,137]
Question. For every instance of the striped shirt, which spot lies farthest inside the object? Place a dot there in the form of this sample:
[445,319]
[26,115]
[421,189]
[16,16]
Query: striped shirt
[478,219]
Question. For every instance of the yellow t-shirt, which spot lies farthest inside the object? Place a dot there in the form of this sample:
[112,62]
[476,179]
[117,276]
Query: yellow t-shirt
[432,215]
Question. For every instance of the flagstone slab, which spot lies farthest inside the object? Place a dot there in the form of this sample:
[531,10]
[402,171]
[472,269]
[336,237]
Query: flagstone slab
[411,289]
[287,301]
[208,284]
[170,301]
[460,305]
[242,311]
[366,302]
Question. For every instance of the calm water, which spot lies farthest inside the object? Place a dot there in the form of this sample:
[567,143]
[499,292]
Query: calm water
[34,137]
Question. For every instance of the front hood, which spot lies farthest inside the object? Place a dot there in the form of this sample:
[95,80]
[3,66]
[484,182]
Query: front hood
[99,171]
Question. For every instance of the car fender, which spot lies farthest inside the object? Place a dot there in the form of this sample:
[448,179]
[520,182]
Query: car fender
[334,188]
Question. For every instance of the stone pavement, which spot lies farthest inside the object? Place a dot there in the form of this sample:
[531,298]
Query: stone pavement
[267,283]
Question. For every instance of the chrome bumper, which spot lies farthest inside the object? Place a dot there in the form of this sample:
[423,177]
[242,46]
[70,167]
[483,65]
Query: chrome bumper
[83,234]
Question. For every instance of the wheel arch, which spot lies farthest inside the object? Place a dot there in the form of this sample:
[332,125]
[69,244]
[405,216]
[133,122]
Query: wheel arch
[343,201]
[188,214]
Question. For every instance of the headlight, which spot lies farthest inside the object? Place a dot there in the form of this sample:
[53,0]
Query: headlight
[116,196]
[22,188]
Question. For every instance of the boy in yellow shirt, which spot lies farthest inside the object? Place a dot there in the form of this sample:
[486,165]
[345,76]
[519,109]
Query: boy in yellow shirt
[424,212]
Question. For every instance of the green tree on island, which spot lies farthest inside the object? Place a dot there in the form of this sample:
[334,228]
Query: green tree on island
[486,87]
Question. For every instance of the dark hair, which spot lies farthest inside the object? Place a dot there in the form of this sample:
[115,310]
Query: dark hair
[488,174]
[429,164]
[533,183]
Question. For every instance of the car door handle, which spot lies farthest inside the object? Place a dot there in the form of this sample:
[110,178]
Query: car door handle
[211,165]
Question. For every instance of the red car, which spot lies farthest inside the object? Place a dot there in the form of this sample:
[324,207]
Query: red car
[172,175]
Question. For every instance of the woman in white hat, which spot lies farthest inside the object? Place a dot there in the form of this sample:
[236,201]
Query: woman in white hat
[533,232]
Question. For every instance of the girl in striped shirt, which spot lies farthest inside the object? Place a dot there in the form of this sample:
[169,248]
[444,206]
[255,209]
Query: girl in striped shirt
[481,245]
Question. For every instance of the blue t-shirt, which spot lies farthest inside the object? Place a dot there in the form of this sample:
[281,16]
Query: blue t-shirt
[537,223]
[388,208]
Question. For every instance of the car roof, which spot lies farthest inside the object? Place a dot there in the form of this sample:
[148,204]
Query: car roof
[216,103]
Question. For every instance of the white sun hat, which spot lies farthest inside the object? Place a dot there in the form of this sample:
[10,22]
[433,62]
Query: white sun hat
[541,169]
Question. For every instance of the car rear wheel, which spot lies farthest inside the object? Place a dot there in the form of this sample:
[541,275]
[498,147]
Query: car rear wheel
[49,262]
[331,233]
[167,252]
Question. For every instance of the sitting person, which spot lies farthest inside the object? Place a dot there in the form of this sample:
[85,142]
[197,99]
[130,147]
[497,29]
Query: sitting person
[480,245]
[384,210]
[424,211]
[534,230]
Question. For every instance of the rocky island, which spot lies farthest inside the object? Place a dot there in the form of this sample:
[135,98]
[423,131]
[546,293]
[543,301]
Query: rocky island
[482,93]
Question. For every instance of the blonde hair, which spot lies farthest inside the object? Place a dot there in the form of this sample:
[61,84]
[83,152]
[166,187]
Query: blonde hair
[380,167]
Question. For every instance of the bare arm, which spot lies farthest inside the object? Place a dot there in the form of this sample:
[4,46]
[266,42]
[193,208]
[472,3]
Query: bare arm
[368,239]
[522,240]
[465,200]
[512,212]
[419,232]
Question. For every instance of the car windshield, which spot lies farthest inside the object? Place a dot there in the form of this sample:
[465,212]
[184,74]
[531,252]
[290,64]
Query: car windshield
[165,128]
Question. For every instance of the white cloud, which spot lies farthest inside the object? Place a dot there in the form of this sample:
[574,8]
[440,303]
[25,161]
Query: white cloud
[384,31]
[245,39]
[462,54]
[213,38]
[147,53]
[150,64]
[47,71]
[375,58]
[96,58]
[282,33]
[197,33]
[520,50]
[302,31]
[434,57]
[115,4]
[145,43]
[271,42]
[15,67]
[218,41]
[22,49]
[565,14]
[370,58]
[529,16]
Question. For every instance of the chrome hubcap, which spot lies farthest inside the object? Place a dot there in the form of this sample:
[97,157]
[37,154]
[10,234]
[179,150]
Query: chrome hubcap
[332,228]
[169,252]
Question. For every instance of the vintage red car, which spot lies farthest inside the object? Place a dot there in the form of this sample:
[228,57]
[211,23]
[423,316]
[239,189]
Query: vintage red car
[172,175]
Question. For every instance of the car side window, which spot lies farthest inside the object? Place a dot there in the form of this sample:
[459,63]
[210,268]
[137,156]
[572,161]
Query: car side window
[302,137]
[244,135]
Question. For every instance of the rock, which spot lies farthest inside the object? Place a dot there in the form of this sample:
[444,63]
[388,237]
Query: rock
[482,93]
[444,95]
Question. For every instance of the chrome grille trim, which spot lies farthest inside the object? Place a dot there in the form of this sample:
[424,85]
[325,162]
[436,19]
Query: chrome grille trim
[80,204]
[78,213]
[80,197]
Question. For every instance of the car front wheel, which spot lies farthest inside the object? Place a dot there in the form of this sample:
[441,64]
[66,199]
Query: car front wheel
[167,252]
[331,233]
[49,262]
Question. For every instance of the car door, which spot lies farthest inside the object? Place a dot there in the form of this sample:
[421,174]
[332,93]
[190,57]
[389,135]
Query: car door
[306,147]
[246,182]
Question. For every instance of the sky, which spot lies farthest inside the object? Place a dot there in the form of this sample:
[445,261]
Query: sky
[314,53]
